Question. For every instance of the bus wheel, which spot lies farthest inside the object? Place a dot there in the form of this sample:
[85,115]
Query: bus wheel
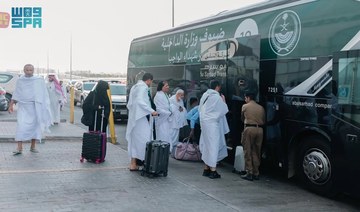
[314,166]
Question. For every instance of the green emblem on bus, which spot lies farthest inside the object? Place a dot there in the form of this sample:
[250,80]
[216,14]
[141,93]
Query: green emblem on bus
[284,33]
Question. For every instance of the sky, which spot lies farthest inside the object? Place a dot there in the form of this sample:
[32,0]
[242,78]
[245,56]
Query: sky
[100,32]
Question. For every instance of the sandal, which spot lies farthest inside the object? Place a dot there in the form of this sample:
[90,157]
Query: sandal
[134,170]
[17,152]
[34,150]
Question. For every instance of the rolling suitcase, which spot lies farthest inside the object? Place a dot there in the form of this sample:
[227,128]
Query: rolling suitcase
[156,158]
[239,162]
[94,144]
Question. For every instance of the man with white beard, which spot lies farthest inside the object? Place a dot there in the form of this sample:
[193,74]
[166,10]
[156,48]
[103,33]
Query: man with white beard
[214,126]
[164,121]
[179,120]
[139,126]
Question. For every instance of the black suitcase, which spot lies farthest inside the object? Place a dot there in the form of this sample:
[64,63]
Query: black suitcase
[94,144]
[156,158]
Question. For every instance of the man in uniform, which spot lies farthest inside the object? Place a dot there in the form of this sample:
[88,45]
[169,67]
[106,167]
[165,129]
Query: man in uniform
[253,116]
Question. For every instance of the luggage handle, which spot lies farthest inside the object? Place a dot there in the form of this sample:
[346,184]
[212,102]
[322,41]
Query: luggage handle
[102,118]
[186,140]
[152,124]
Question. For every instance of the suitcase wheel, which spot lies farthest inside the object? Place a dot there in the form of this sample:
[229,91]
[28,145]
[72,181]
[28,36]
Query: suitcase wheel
[165,174]
[81,159]
[97,161]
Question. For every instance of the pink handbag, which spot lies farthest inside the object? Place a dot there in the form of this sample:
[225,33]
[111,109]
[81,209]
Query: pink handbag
[187,151]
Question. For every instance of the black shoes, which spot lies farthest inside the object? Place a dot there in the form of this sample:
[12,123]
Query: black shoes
[256,177]
[214,175]
[242,172]
[211,174]
[247,177]
[206,172]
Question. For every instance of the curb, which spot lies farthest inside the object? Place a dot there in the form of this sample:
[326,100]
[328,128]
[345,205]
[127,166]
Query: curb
[8,120]
[14,120]
[49,138]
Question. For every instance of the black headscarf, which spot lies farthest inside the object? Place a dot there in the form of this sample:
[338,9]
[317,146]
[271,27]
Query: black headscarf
[101,96]
[96,98]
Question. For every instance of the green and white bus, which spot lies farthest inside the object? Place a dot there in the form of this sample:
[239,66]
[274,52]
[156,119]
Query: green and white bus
[301,58]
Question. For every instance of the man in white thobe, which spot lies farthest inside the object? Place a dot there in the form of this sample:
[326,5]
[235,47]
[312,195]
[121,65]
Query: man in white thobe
[63,88]
[56,97]
[214,126]
[139,126]
[163,122]
[33,109]
[179,120]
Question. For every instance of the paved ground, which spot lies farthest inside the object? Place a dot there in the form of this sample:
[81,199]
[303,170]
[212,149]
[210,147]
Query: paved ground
[63,130]
[55,180]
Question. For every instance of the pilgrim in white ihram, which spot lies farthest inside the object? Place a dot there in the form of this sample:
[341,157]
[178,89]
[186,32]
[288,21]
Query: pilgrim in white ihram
[33,114]
[214,126]
[163,122]
[138,130]
[179,113]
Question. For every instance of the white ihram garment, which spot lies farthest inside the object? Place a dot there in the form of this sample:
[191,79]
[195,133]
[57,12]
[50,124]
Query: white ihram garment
[163,122]
[214,126]
[179,119]
[138,130]
[33,113]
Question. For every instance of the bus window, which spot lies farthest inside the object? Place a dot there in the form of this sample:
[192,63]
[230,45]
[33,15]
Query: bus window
[348,90]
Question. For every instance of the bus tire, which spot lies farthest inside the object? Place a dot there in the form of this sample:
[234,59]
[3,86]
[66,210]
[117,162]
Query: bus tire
[315,166]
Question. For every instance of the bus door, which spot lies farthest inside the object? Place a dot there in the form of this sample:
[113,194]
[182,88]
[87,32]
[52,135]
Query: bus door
[346,110]
[235,63]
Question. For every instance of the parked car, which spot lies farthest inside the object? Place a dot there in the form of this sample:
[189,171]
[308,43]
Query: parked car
[4,103]
[81,91]
[8,82]
[69,84]
[118,97]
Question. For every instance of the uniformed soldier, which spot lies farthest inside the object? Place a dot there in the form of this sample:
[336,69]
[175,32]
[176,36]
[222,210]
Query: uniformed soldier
[253,116]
